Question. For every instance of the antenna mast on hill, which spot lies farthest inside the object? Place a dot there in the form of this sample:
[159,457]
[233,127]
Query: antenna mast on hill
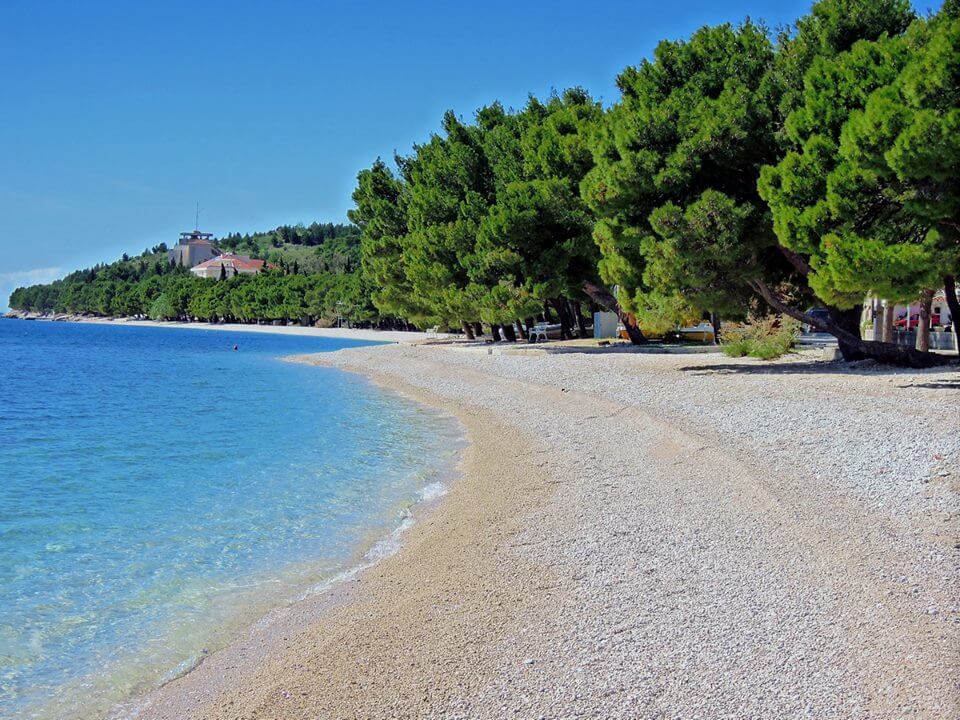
[196,222]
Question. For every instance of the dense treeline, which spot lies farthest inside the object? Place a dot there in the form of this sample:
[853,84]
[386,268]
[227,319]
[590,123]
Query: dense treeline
[817,166]
[310,235]
[485,223]
[814,166]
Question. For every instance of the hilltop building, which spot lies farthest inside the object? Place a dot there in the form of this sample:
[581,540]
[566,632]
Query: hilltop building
[195,247]
[227,266]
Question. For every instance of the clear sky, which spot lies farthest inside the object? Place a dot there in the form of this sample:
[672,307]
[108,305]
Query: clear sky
[117,117]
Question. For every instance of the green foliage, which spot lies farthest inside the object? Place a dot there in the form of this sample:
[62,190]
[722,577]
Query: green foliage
[483,222]
[764,337]
[832,27]
[660,314]
[313,235]
[381,216]
[869,192]
[267,296]
[534,245]
[449,188]
[673,186]
[162,308]
[683,223]
[699,252]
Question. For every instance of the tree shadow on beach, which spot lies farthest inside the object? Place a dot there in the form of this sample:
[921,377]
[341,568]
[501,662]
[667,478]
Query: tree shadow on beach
[940,385]
[837,367]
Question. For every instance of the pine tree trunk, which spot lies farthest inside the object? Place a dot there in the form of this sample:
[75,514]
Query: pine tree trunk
[467,330]
[495,332]
[508,333]
[568,308]
[478,330]
[562,313]
[923,327]
[845,326]
[950,289]
[889,310]
[632,329]
[521,330]
[581,325]
[849,321]
[605,298]
[715,322]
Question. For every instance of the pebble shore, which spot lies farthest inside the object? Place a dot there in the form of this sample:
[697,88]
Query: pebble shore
[642,536]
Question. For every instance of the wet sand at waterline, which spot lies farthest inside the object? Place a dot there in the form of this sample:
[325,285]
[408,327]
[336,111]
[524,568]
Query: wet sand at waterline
[639,536]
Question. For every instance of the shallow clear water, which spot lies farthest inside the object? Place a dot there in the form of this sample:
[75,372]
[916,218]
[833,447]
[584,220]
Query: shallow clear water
[158,490]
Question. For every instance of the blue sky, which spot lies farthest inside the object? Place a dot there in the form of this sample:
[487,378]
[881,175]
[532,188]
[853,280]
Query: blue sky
[117,117]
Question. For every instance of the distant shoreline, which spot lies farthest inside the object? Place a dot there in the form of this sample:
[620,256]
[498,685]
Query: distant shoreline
[387,336]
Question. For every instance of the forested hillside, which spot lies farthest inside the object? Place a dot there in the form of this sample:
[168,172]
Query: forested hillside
[320,247]
[314,276]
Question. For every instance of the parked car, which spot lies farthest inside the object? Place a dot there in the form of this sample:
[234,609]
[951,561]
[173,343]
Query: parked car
[901,322]
[820,314]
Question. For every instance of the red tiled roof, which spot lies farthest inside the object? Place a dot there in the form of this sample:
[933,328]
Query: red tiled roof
[239,262]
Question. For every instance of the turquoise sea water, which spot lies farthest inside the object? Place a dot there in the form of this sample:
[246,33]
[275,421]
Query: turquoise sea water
[158,491]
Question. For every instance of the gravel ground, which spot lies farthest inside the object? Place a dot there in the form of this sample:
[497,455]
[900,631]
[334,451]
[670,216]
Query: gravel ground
[686,537]
[879,432]
[735,549]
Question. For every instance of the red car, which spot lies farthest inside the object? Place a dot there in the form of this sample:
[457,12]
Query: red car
[915,320]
